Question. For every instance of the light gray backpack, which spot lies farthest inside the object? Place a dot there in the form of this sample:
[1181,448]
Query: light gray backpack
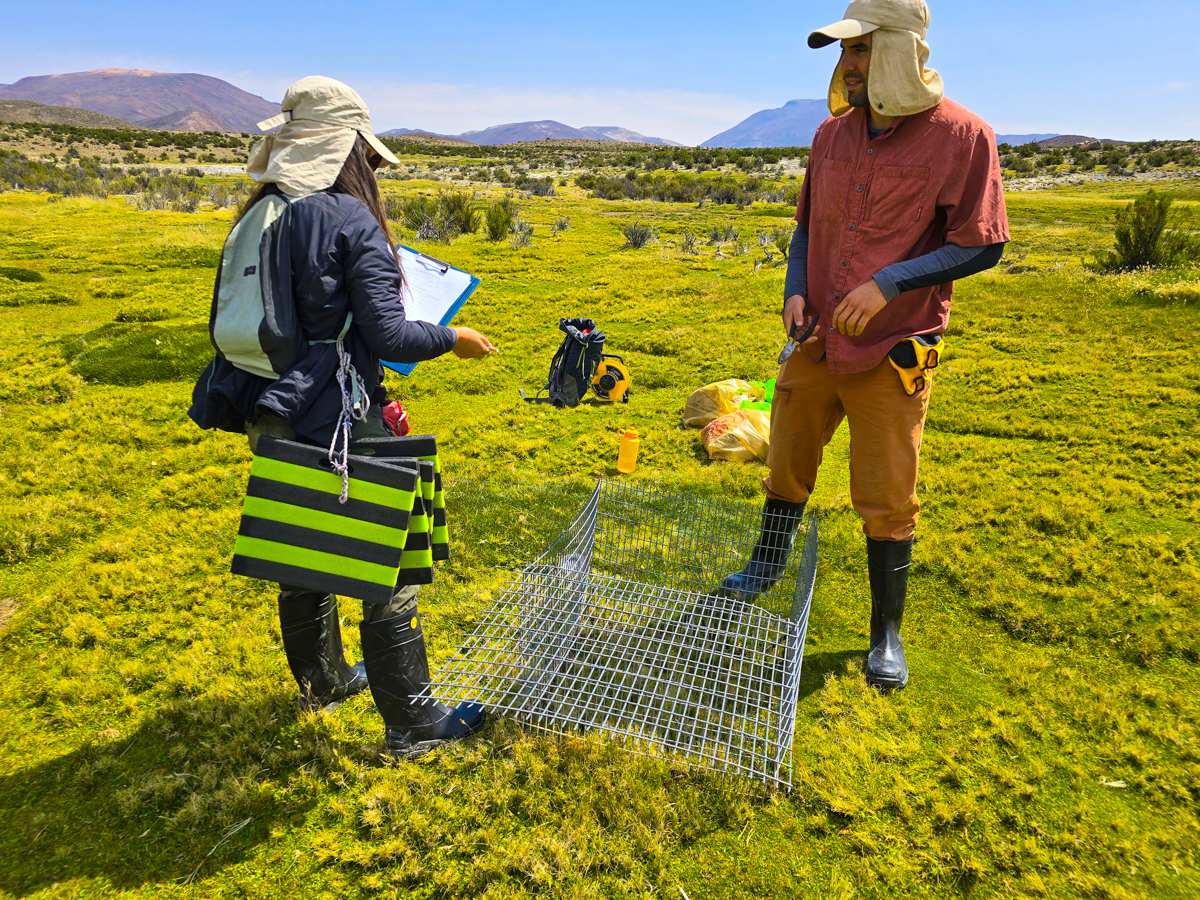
[253,321]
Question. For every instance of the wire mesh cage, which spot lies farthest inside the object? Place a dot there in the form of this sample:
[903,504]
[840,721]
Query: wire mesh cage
[620,627]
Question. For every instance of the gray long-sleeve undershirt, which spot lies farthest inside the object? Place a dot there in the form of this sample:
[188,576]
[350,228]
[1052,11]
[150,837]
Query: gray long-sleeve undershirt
[948,263]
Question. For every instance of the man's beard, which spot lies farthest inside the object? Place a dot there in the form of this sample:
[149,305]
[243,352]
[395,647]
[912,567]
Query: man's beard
[858,99]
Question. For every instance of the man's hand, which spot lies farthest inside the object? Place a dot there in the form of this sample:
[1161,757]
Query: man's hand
[858,308]
[793,313]
[470,344]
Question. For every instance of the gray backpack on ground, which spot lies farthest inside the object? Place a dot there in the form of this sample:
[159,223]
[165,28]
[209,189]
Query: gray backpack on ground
[253,321]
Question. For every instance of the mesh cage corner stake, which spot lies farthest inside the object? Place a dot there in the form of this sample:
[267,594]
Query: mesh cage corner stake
[619,628]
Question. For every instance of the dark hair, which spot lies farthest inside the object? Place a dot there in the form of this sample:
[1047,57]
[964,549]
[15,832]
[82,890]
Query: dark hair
[357,179]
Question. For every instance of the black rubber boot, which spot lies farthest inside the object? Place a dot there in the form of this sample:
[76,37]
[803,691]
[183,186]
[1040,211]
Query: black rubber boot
[312,640]
[768,559]
[887,565]
[394,651]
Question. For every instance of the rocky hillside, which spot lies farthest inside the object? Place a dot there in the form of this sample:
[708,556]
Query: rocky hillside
[624,135]
[177,101]
[31,111]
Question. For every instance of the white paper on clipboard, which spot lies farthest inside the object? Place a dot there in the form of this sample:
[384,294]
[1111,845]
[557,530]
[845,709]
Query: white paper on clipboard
[433,291]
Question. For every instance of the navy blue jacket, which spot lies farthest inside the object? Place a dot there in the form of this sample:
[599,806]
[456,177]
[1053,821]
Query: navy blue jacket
[341,261]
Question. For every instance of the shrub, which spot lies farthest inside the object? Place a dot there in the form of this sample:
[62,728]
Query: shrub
[393,208]
[441,220]
[638,235]
[459,211]
[687,243]
[499,219]
[522,233]
[437,228]
[782,238]
[424,216]
[719,235]
[415,211]
[560,224]
[1149,234]
[538,187]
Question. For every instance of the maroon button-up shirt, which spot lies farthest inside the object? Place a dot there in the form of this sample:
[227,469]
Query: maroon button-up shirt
[930,180]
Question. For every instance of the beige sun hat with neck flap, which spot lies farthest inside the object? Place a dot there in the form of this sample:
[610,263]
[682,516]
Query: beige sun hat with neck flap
[898,83]
[321,120]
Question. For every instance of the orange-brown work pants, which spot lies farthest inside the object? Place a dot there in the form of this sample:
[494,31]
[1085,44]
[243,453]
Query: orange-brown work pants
[885,440]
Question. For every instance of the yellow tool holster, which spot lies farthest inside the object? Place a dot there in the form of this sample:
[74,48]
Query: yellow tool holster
[914,359]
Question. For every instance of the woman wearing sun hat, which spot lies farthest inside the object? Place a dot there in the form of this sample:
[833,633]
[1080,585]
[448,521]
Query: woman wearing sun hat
[337,262]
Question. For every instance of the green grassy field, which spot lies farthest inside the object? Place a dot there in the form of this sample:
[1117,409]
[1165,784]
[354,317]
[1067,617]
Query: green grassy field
[1047,746]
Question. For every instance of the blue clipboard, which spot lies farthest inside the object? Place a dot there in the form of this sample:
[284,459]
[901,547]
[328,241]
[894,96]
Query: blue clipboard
[433,291]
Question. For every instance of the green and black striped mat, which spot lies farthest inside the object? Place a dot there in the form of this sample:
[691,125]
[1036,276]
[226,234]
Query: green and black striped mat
[295,532]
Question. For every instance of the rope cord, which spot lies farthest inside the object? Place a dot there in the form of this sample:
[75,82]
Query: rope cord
[355,405]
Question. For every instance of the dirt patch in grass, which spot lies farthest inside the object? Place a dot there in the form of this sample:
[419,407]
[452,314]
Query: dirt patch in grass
[8,606]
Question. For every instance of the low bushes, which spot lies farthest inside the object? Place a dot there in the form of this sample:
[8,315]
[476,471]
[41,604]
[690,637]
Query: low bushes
[1150,235]
[439,219]
[682,187]
[499,219]
[638,235]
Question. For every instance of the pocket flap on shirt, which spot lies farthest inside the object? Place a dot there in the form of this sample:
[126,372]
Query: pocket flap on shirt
[897,192]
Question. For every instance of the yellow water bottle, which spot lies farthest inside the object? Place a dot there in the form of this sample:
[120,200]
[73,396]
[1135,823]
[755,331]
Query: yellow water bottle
[627,456]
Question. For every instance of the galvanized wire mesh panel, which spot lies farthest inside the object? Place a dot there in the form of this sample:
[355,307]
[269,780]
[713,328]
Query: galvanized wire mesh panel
[619,628]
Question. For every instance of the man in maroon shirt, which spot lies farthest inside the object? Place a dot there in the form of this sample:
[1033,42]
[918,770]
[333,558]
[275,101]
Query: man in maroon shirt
[903,195]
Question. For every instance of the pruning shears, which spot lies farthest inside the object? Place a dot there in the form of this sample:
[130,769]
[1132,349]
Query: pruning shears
[793,342]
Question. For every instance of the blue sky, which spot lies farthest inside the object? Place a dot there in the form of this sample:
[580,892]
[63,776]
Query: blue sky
[683,71]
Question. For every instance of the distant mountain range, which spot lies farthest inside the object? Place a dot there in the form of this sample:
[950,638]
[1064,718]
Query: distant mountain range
[543,130]
[792,125]
[114,98]
[795,124]
[178,102]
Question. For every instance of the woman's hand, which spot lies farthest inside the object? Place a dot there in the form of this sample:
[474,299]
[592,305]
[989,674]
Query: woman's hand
[470,344]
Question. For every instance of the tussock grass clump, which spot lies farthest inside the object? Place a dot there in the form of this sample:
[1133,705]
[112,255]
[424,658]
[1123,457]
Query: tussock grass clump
[17,294]
[16,273]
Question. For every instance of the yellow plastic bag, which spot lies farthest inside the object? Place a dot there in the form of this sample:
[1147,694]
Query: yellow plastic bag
[715,400]
[740,436]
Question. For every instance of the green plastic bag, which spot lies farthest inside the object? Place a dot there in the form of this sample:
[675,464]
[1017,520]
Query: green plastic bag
[763,405]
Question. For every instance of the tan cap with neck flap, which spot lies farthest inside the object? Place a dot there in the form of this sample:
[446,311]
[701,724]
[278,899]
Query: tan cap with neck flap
[898,83]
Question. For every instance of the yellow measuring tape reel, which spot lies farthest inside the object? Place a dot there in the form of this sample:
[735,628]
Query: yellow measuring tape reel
[612,379]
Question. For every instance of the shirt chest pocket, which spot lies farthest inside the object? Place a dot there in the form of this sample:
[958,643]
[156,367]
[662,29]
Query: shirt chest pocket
[899,195]
[831,190]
